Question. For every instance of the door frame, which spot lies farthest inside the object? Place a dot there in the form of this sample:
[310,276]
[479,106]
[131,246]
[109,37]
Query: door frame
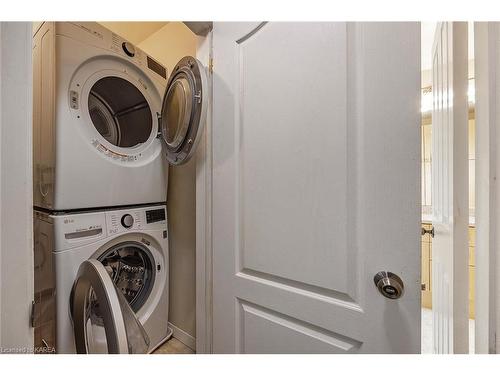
[16,38]
[16,187]
[450,173]
[487,289]
[204,210]
[16,80]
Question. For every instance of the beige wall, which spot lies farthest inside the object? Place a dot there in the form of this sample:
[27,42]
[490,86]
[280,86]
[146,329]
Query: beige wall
[168,45]
[134,32]
[427,167]
[168,42]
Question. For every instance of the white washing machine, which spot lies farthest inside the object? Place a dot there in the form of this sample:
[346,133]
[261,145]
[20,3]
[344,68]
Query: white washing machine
[111,279]
[106,120]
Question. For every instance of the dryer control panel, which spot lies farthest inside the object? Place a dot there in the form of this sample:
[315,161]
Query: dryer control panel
[96,34]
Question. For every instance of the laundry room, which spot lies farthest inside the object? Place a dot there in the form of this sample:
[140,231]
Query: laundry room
[118,110]
[247,187]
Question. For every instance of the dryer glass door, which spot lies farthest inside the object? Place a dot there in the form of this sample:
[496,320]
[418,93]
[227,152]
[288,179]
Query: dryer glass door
[184,110]
[103,321]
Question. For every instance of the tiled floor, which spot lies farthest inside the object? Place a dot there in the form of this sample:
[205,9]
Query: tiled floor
[427,332]
[173,346]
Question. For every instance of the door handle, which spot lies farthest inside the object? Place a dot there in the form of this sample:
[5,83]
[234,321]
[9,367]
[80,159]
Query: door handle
[430,231]
[389,284]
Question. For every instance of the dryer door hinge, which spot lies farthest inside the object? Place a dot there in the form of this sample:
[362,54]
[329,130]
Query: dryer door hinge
[158,133]
[211,65]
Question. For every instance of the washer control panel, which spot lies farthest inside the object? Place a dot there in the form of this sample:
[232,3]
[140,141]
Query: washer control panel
[136,219]
[77,229]
[153,216]
[121,221]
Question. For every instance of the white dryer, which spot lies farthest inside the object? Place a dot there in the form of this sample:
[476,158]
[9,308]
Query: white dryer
[106,120]
[99,257]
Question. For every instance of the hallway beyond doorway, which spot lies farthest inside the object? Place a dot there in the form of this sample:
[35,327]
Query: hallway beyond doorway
[427,332]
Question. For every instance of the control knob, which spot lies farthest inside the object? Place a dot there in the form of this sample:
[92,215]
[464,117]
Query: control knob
[128,48]
[127,221]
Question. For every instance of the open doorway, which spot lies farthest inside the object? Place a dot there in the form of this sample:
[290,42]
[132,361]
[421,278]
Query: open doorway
[141,97]
[428,31]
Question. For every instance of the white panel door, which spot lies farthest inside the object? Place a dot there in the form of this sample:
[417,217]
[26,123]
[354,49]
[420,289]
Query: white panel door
[450,204]
[316,187]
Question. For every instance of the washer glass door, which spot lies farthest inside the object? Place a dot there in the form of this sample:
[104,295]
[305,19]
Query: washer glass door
[184,110]
[103,321]
[132,269]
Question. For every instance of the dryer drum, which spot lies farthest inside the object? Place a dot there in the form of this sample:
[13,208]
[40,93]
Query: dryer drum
[119,112]
[103,119]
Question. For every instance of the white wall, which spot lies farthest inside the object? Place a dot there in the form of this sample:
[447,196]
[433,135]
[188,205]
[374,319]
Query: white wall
[16,243]
[487,190]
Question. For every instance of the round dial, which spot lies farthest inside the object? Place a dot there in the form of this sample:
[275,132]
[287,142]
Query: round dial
[128,48]
[127,220]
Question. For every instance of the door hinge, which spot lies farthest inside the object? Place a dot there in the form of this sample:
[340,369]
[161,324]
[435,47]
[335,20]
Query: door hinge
[424,231]
[422,287]
[211,65]
[32,314]
[158,132]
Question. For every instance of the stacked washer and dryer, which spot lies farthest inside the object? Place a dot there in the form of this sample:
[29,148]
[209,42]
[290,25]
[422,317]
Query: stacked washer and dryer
[107,123]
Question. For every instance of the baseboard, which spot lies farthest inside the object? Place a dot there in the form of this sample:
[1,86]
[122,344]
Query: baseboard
[169,335]
[183,337]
